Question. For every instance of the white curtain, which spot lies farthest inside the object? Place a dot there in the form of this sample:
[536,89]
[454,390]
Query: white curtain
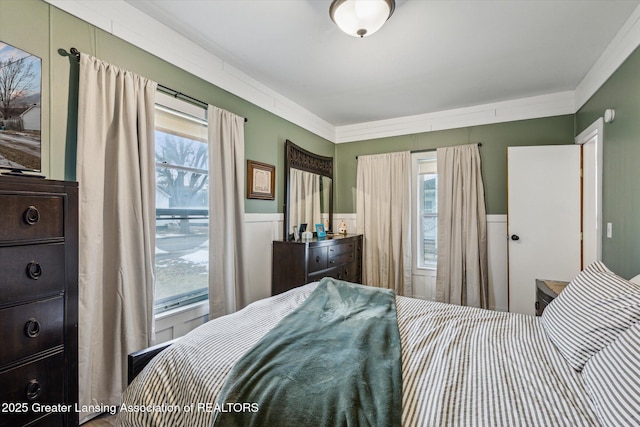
[383,216]
[115,171]
[304,199]
[227,272]
[462,276]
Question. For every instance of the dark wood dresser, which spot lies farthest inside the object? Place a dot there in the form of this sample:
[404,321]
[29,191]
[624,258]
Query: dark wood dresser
[297,263]
[38,302]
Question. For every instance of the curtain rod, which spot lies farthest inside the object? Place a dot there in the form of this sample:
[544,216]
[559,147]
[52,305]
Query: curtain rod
[426,150]
[479,144]
[75,52]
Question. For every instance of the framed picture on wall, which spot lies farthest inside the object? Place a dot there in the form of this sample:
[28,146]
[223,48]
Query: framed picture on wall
[261,180]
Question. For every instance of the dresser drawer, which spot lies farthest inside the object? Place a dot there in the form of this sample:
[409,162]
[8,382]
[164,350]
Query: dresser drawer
[39,382]
[54,419]
[31,271]
[317,259]
[342,248]
[344,258]
[30,217]
[30,328]
[351,272]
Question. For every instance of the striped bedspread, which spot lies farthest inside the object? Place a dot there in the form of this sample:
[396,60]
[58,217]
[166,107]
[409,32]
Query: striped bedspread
[460,367]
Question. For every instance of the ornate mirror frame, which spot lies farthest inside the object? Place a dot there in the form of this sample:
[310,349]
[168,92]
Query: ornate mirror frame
[299,158]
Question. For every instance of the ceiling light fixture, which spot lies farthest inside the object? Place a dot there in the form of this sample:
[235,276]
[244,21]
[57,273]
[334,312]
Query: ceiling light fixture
[361,18]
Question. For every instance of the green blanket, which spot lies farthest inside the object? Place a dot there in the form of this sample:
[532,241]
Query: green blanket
[334,361]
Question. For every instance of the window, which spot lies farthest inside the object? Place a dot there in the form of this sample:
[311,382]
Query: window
[426,209]
[182,200]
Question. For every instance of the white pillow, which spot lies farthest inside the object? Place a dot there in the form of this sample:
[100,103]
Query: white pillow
[590,313]
[612,378]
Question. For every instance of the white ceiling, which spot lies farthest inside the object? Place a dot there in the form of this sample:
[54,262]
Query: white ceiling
[430,56]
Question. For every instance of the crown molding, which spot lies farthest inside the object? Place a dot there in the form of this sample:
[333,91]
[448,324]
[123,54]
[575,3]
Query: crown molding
[128,23]
[124,21]
[555,104]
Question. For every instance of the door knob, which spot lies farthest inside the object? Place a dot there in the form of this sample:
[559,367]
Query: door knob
[515,237]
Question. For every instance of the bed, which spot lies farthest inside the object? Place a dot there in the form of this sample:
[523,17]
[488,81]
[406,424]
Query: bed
[575,365]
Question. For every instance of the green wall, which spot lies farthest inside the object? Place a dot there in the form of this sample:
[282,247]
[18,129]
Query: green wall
[47,32]
[495,139]
[39,28]
[621,170]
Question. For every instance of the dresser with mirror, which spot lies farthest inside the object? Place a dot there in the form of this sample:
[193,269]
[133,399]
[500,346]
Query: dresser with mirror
[309,200]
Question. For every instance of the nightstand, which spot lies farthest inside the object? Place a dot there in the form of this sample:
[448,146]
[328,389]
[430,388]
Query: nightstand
[546,291]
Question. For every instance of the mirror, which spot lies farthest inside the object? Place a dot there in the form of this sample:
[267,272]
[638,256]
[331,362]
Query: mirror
[309,190]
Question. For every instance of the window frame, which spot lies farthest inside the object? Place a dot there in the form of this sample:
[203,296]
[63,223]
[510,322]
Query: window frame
[197,114]
[416,214]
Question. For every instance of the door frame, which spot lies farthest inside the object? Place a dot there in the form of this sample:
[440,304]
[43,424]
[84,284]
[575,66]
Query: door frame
[594,131]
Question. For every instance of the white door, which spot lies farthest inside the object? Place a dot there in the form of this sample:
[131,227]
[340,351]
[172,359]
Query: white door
[543,219]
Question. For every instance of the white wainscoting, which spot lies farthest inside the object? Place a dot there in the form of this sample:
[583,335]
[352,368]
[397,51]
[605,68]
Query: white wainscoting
[424,281]
[424,284]
[175,323]
[349,221]
[497,254]
[262,229]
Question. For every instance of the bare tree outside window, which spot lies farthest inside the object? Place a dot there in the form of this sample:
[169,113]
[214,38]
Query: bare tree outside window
[20,116]
[16,77]
[183,182]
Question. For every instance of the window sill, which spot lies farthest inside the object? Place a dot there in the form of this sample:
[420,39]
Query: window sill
[196,306]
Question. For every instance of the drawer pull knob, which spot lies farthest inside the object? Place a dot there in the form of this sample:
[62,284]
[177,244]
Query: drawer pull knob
[318,258]
[32,328]
[34,270]
[332,262]
[33,390]
[31,215]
